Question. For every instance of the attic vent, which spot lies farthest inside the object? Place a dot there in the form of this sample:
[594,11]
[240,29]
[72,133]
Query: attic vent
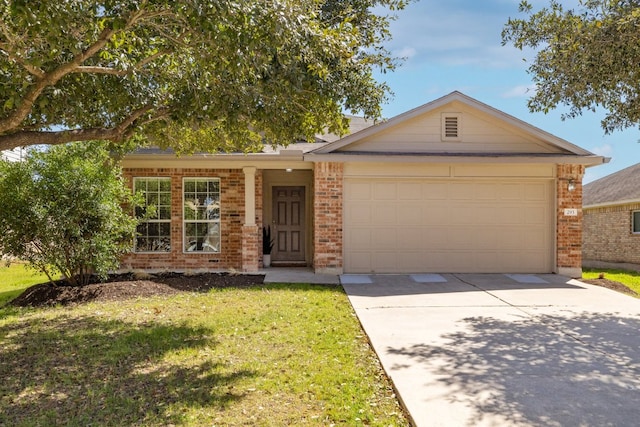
[451,126]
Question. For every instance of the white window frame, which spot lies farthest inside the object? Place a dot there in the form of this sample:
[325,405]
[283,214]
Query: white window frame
[210,212]
[443,126]
[633,221]
[161,247]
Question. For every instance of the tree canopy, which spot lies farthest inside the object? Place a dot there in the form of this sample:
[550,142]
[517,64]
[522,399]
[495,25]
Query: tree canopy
[190,74]
[586,58]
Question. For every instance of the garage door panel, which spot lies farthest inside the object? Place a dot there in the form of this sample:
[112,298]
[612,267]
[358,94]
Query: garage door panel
[410,239]
[358,191]
[430,225]
[409,215]
[384,238]
[435,191]
[435,214]
[409,191]
[536,192]
[360,262]
[486,192]
[385,191]
[359,213]
[385,261]
[433,237]
[384,214]
[359,239]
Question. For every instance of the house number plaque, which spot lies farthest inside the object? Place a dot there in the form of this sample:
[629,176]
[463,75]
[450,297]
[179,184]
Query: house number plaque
[571,212]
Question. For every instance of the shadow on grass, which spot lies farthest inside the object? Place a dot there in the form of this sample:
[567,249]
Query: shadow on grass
[87,370]
[563,371]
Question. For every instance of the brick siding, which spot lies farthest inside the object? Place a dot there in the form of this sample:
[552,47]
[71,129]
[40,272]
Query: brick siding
[607,234]
[569,228]
[231,224]
[327,206]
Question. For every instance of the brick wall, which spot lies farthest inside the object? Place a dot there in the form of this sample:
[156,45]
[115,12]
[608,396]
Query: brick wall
[607,234]
[569,228]
[327,206]
[231,222]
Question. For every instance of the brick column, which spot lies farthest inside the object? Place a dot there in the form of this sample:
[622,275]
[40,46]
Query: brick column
[568,227]
[327,226]
[250,248]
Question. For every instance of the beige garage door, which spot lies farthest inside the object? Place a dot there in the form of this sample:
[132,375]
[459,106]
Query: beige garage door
[402,226]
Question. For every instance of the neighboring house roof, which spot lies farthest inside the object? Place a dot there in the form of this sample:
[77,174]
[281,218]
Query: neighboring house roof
[618,188]
[418,133]
[14,155]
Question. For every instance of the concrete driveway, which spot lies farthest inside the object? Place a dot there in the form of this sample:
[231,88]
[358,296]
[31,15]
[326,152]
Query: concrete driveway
[498,350]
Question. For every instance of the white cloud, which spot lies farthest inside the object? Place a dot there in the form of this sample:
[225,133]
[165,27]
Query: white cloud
[605,150]
[456,33]
[405,52]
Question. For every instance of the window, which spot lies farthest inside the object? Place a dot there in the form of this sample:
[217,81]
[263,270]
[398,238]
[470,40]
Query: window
[201,209]
[635,222]
[154,232]
[451,126]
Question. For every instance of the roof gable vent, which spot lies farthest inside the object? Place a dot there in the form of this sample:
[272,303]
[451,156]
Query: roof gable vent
[451,126]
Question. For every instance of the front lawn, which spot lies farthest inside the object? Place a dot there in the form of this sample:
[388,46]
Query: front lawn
[15,278]
[272,355]
[630,279]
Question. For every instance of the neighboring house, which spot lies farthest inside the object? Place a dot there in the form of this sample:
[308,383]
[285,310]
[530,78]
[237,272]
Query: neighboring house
[451,186]
[14,155]
[611,209]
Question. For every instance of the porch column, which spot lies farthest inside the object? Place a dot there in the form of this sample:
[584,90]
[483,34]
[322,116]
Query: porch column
[327,210]
[250,236]
[569,220]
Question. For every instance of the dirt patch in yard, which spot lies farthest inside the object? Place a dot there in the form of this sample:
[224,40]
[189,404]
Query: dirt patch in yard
[127,286]
[610,284]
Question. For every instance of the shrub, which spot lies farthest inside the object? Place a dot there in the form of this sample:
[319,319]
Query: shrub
[66,209]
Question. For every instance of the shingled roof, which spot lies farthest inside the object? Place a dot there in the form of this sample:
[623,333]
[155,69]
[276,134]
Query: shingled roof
[617,188]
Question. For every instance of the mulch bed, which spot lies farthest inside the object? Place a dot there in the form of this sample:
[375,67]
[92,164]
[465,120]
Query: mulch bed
[126,286]
[610,284]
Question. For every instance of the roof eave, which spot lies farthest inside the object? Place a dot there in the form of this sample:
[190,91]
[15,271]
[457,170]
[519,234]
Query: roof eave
[587,161]
[611,203]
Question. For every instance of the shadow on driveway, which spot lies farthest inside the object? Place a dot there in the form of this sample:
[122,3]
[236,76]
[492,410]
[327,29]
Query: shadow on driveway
[549,370]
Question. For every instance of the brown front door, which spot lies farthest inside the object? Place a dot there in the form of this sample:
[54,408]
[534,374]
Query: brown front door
[288,224]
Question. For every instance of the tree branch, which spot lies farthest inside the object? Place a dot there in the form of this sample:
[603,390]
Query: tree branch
[115,134]
[51,78]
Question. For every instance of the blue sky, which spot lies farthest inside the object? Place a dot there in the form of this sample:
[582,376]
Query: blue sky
[456,45]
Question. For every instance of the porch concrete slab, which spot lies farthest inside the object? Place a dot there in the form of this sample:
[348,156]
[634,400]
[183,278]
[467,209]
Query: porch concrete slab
[298,275]
[487,350]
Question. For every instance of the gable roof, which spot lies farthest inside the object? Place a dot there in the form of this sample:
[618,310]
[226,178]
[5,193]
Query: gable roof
[544,143]
[618,188]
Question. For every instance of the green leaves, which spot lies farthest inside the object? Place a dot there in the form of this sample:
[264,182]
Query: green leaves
[586,58]
[61,210]
[284,68]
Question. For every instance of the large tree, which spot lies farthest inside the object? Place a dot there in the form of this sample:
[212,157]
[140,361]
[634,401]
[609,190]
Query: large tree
[586,57]
[191,74]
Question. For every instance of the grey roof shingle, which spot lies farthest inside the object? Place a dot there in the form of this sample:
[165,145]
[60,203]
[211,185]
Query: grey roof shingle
[617,187]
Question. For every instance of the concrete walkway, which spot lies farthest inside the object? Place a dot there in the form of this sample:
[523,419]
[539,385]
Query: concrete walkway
[498,350]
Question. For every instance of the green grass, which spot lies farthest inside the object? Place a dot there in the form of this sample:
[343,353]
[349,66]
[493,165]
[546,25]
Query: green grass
[15,278]
[272,356]
[631,279]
